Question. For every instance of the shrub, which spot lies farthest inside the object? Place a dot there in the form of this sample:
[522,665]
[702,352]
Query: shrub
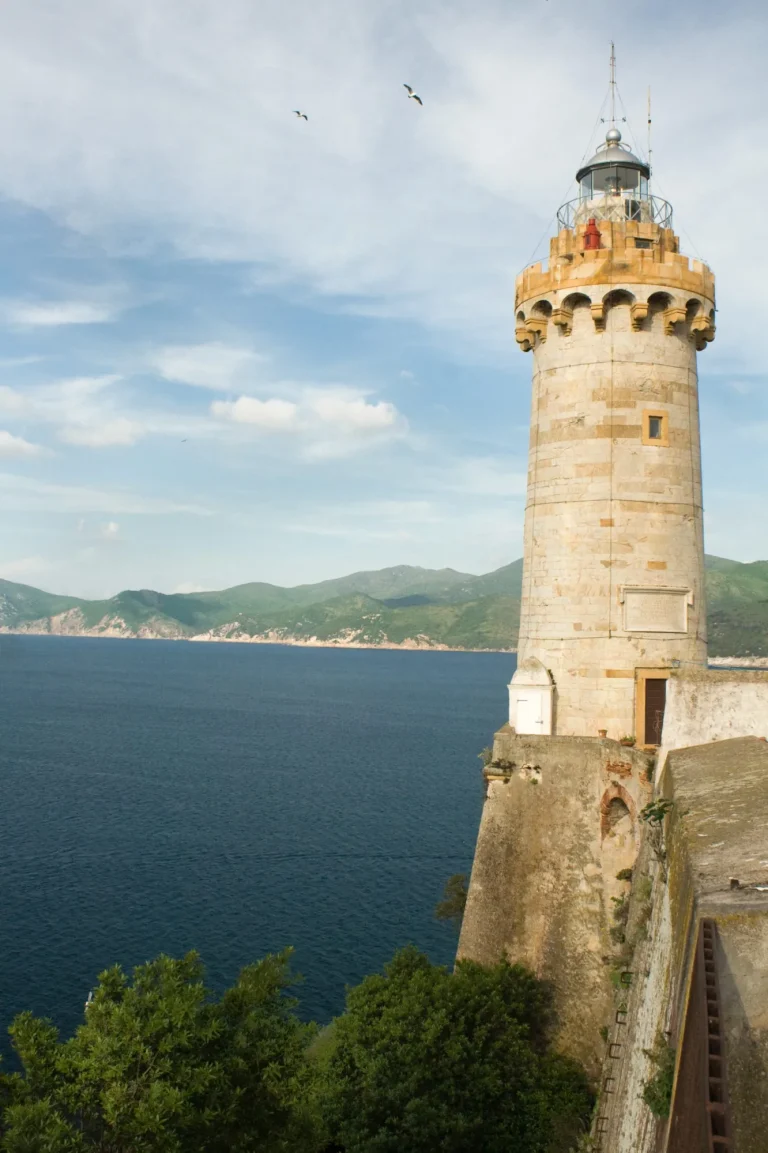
[657,1091]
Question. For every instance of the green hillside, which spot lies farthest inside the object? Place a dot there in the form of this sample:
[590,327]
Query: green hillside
[20,603]
[393,605]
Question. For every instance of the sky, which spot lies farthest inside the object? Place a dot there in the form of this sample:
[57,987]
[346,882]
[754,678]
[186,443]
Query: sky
[239,345]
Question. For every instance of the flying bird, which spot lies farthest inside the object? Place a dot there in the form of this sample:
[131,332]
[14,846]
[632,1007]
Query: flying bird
[300,114]
[412,95]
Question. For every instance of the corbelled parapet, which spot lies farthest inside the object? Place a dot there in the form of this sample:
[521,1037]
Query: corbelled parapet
[638,264]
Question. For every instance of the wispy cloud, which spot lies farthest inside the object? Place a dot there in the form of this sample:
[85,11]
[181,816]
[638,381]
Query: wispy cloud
[28,494]
[84,410]
[102,434]
[53,314]
[16,447]
[327,422]
[188,138]
[171,139]
[272,415]
[213,365]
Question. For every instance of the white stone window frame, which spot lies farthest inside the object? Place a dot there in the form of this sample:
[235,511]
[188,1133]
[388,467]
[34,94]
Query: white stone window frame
[684,593]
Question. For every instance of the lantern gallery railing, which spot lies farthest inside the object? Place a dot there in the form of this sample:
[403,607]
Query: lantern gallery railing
[618,208]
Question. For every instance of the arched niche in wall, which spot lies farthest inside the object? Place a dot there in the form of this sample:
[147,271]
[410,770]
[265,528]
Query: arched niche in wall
[692,308]
[617,305]
[538,319]
[660,307]
[542,308]
[619,844]
[573,309]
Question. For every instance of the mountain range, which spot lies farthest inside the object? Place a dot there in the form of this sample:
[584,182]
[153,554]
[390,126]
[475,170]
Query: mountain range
[403,606]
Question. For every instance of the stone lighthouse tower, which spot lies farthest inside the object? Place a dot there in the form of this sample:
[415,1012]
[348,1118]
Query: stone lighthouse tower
[613,571]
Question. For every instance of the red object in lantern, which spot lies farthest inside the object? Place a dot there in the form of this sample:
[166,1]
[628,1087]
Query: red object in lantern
[591,235]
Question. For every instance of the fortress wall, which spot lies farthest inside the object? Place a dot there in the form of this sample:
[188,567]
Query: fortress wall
[559,822]
[551,841]
[659,961]
[743,965]
[721,791]
[717,830]
[627,1124]
[713,705]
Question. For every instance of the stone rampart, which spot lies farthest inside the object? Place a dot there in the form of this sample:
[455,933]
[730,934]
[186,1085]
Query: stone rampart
[560,820]
[715,869]
[559,830]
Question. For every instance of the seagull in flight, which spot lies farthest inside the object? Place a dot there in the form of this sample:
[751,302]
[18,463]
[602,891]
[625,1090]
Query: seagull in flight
[412,95]
[300,114]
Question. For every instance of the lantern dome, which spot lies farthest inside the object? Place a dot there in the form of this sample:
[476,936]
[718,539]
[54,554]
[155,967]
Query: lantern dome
[614,169]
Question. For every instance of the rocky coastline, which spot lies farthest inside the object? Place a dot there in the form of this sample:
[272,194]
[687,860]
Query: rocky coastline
[71,624]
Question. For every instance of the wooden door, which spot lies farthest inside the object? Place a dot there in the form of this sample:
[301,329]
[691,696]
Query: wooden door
[655,699]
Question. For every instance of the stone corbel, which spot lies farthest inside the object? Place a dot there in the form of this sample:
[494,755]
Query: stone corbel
[523,338]
[702,331]
[537,326]
[638,312]
[562,318]
[598,315]
[672,316]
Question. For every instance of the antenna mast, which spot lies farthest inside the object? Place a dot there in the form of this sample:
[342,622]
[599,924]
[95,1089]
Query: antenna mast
[649,129]
[613,86]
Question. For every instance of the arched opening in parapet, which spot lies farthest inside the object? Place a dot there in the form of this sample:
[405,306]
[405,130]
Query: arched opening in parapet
[617,305]
[578,304]
[692,308]
[618,296]
[575,300]
[542,308]
[521,317]
[658,303]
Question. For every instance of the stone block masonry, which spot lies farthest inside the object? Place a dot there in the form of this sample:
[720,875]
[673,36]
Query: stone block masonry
[613,575]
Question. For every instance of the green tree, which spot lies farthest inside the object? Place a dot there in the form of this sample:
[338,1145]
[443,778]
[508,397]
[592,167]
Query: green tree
[451,907]
[424,1059]
[160,1065]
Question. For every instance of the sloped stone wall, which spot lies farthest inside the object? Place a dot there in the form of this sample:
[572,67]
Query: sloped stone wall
[540,890]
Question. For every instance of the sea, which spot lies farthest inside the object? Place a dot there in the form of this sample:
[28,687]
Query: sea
[161,796]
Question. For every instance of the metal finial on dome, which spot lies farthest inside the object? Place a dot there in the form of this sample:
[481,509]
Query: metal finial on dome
[613,135]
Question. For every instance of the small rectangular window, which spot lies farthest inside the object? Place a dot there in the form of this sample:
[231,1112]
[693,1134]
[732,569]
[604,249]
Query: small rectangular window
[655,428]
[640,243]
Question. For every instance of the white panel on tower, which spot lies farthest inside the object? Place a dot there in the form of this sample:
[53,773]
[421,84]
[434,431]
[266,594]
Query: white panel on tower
[530,699]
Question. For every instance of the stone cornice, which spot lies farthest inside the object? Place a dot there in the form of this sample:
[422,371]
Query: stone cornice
[635,265]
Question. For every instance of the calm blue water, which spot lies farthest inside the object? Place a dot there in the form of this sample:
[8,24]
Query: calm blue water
[159,796]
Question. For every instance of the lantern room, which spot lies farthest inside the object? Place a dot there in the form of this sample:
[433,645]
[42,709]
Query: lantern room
[613,185]
[614,171]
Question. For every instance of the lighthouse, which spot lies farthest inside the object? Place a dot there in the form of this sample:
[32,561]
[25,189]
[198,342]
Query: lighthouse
[613,569]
